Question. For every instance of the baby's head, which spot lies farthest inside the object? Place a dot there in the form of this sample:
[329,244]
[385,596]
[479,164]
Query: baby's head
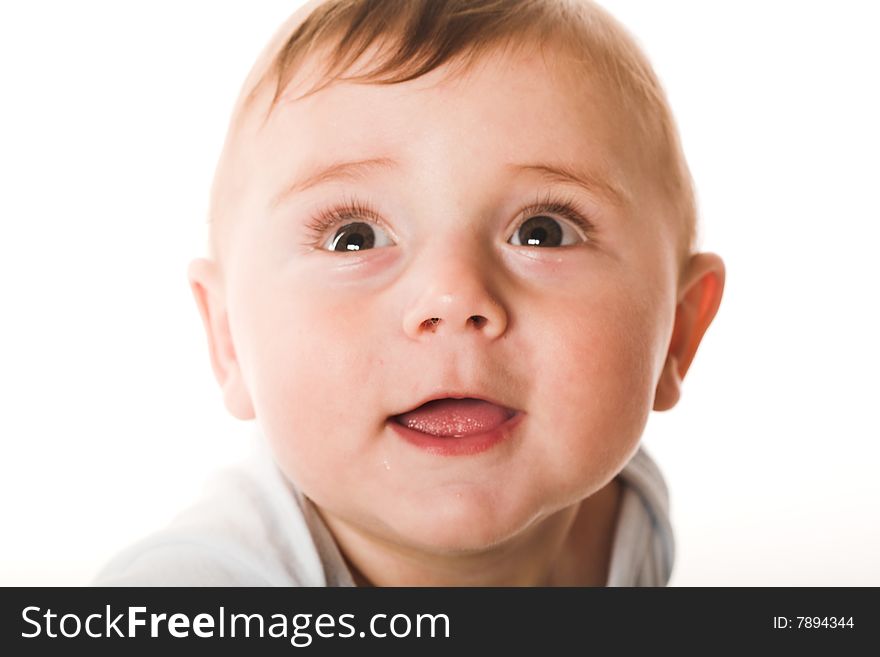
[519,227]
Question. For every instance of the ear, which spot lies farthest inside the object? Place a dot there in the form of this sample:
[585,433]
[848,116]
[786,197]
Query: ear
[699,297]
[207,287]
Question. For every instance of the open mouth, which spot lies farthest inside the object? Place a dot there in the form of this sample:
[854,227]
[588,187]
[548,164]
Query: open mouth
[455,418]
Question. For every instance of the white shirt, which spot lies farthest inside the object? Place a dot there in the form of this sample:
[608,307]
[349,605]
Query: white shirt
[253,527]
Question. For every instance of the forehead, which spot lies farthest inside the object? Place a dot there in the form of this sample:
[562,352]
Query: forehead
[508,107]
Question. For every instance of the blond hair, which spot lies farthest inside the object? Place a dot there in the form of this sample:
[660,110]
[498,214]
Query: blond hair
[425,34]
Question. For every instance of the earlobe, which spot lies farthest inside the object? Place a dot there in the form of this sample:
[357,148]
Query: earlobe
[669,387]
[207,288]
[699,297]
[236,396]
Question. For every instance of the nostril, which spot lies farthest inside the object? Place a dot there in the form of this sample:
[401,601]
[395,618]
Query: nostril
[478,320]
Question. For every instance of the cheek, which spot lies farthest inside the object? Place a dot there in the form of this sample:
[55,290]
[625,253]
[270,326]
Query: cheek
[595,387]
[312,367]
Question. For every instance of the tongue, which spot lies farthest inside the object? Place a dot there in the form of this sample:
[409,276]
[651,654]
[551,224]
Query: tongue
[454,417]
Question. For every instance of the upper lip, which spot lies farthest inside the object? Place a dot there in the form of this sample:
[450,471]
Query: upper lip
[459,394]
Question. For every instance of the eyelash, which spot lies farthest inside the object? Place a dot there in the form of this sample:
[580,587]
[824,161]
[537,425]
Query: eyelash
[353,209]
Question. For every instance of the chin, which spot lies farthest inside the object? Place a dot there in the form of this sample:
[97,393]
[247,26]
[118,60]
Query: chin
[460,523]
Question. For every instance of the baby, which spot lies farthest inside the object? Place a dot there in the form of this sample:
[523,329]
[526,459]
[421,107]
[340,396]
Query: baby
[452,269]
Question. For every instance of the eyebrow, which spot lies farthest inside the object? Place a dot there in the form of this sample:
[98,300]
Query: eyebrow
[336,171]
[551,172]
[594,183]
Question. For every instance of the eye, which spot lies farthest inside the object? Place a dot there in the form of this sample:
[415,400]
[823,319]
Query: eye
[356,236]
[540,229]
[350,234]
[356,225]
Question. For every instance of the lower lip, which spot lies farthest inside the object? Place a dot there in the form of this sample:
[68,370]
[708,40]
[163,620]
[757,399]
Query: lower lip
[463,446]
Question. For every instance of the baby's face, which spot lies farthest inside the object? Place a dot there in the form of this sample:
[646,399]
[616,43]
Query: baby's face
[333,331]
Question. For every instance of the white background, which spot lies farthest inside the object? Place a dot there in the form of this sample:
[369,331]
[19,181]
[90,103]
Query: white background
[113,115]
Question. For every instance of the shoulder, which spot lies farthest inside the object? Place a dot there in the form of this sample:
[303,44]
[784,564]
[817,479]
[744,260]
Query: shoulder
[180,561]
[644,544]
[247,529]
[643,476]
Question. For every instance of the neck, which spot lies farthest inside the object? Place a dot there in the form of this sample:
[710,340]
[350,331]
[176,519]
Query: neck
[571,547]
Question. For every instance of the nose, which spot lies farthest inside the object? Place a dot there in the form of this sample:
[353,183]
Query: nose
[455,300]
